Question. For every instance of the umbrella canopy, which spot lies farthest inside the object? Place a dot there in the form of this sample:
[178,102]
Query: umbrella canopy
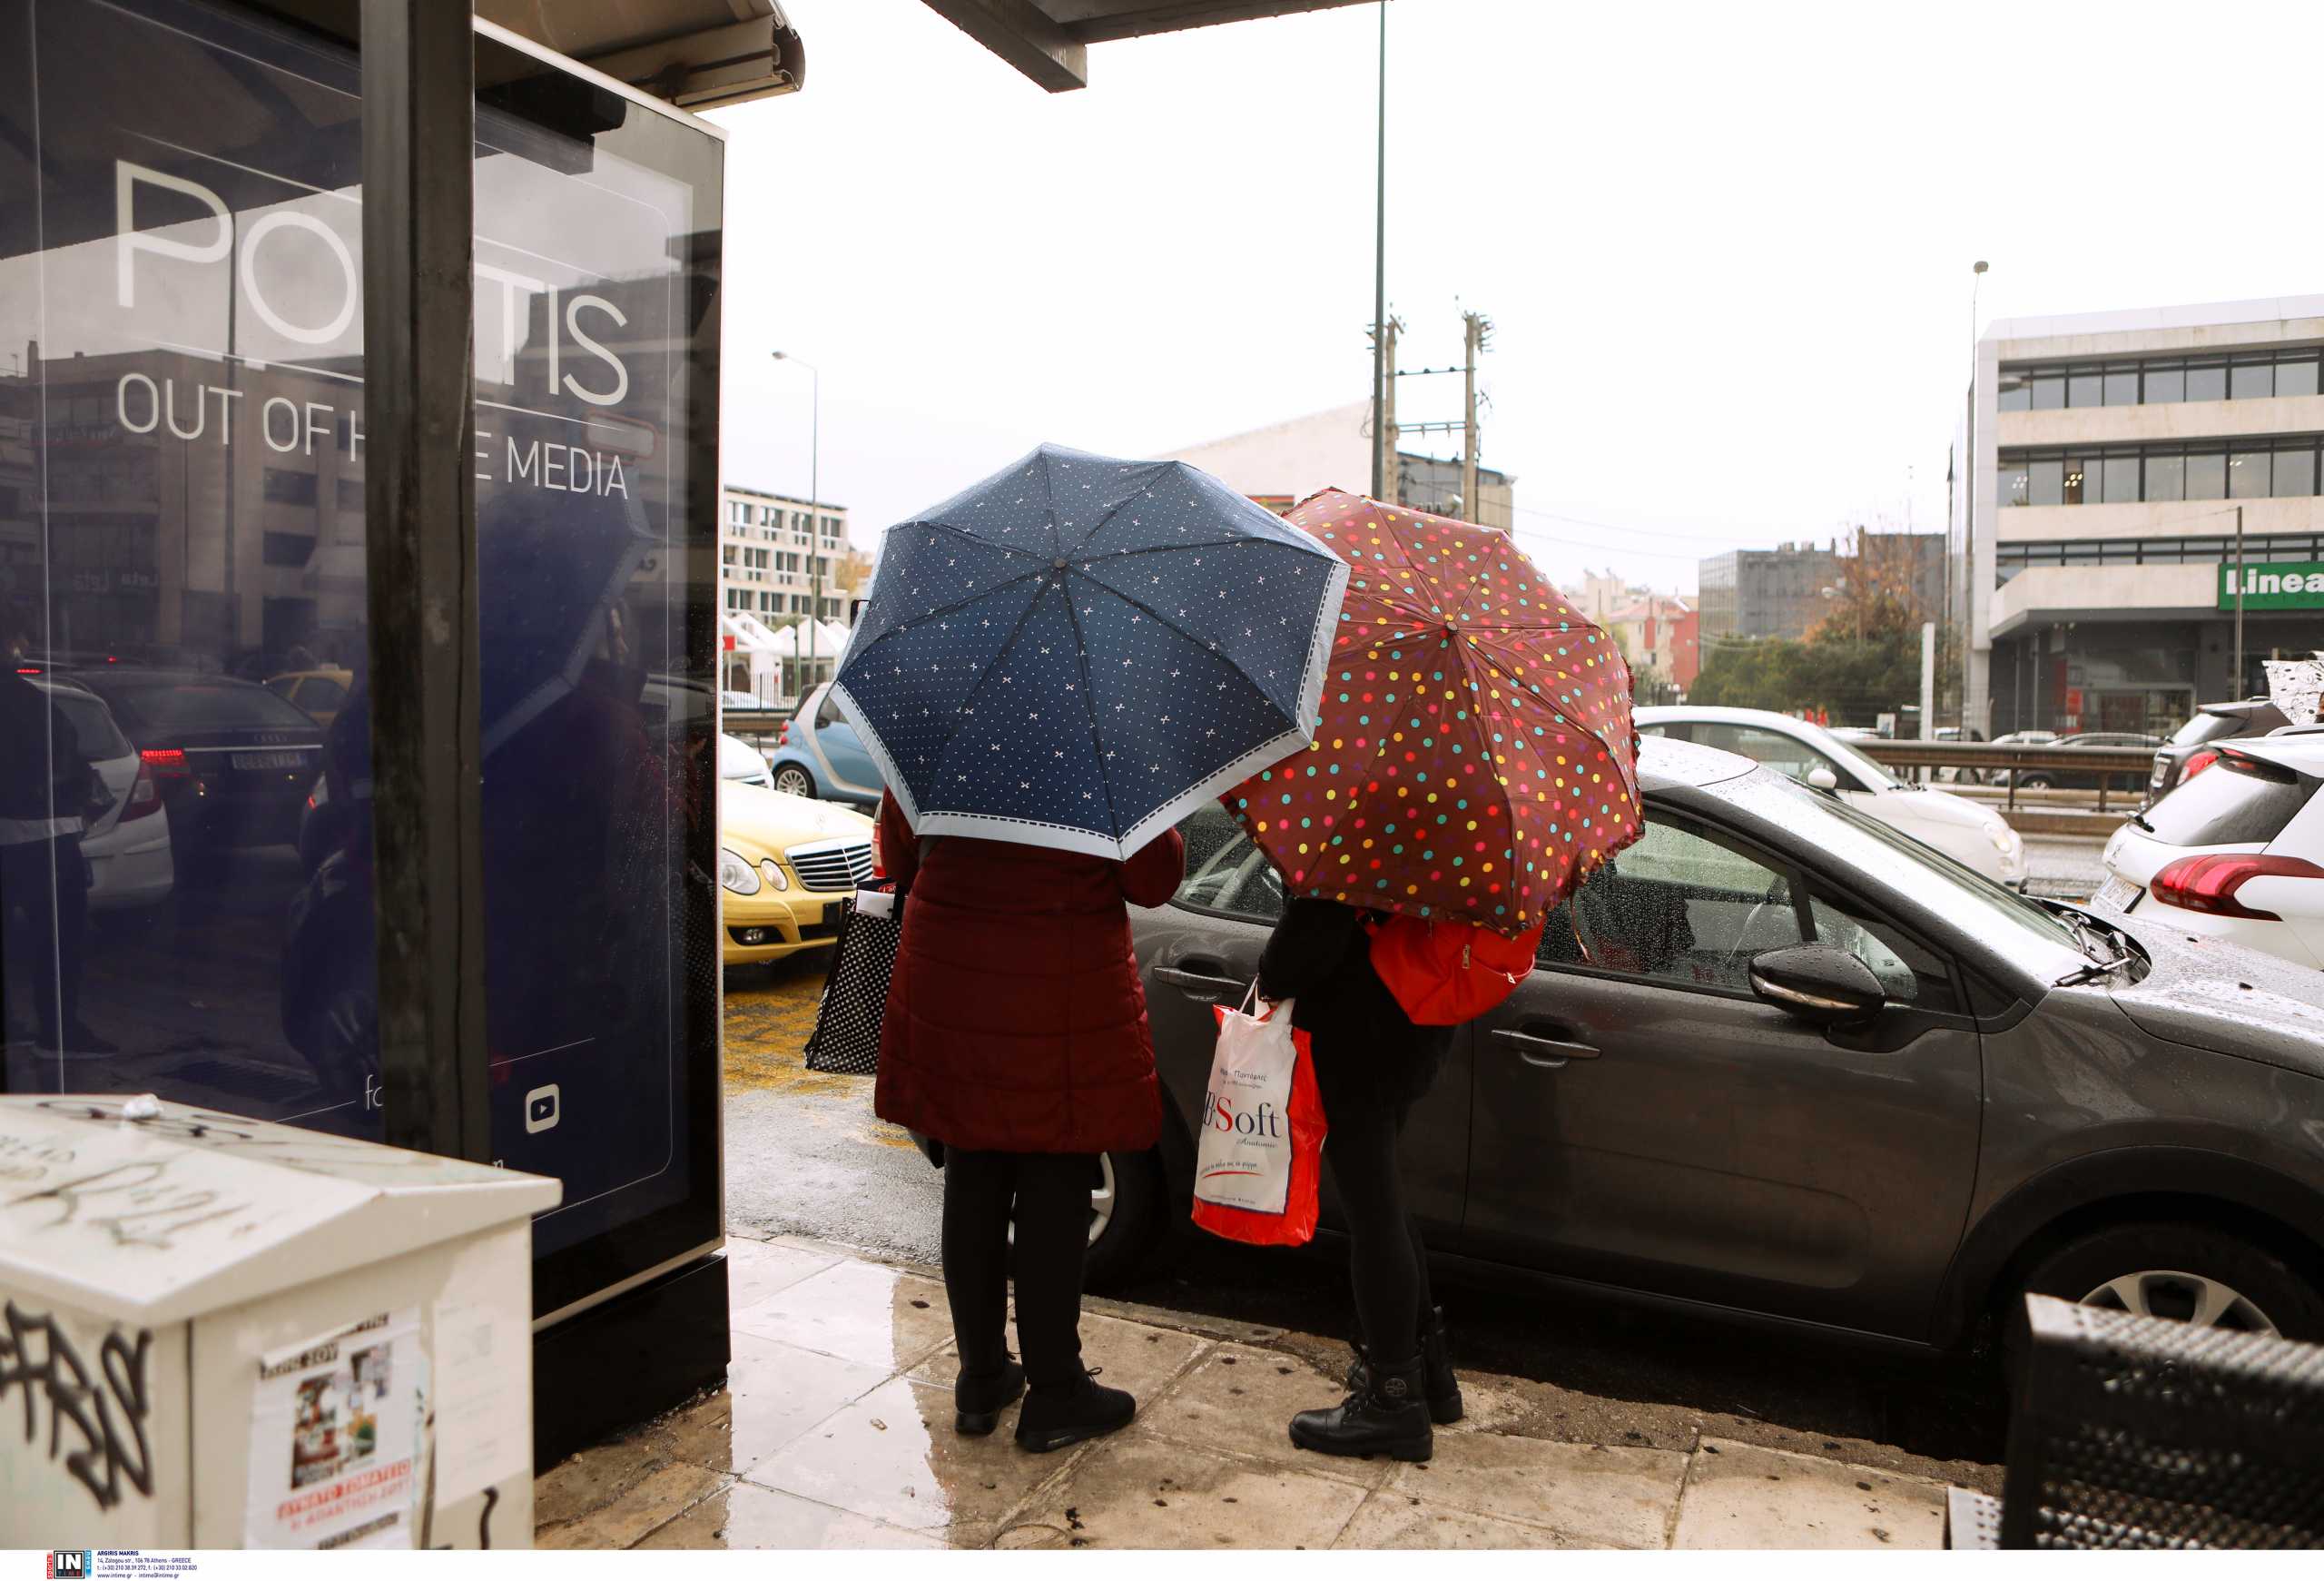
[1474,753]
[1078,651]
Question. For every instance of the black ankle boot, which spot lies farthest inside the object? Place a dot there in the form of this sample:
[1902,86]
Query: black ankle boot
[979,1398]
[1057,1415]
[1384,1414]
[1444,1403]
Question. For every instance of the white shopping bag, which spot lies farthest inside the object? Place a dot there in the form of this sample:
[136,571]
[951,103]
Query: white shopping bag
[1245,1156]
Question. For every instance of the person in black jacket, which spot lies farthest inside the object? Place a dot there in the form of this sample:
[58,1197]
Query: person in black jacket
[1371,1065]
[47,791]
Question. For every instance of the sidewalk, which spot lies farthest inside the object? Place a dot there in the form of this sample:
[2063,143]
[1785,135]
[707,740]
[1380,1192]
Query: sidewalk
[834,1431]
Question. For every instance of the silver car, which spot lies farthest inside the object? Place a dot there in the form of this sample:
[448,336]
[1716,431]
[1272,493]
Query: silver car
[1781,1061]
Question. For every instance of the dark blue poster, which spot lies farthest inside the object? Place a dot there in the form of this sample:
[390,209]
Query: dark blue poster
[184,713]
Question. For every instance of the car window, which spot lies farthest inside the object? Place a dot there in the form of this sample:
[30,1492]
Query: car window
[1784,754]
[1225,870]
[828,712]
[2205,727]
[321,694]
[1678,906]
[2241,801]
[205,706]
[283,686]
[1909,973]
[93,725]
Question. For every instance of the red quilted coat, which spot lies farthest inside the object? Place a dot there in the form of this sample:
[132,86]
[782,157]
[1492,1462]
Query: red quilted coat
[1016,1022]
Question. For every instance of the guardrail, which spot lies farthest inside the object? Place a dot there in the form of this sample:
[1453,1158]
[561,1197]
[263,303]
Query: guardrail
[2136,763]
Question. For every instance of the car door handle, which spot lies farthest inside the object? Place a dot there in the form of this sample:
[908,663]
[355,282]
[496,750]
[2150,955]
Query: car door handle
[1201,985]
[1545,1052]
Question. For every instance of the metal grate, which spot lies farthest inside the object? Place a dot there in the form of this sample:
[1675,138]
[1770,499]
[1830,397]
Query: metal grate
[832,865]
[2144,1433]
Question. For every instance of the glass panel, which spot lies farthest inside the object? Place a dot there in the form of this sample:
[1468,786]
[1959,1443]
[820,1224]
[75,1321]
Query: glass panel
[2014,393]
[2295,474]
[2207,381]
[2296,375]
[2049,392]
[2163,383]
[1225,870]
[2246,475]
[1676,907]
[2047,482]
[2010,488]
[2252,379]
[1785,753]
[1908,973]
[2207,476]
[2118,479]
[2166,477]
[2123,384]
[2076,471]
[2087,387]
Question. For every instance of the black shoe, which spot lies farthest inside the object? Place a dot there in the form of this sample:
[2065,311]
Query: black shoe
[1444,1404]
[1387,1415]
[1057,1415]
[979,1399]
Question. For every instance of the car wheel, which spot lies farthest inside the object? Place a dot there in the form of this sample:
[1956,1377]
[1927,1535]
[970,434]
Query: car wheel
[2194,1273]
[2034,782]
[791,780]
[1125,1217]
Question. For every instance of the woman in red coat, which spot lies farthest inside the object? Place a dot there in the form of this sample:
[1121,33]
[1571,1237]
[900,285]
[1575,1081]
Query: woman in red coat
[1015,1035]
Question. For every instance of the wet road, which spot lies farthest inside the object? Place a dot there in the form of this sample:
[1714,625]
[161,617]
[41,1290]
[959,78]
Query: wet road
[807,1157]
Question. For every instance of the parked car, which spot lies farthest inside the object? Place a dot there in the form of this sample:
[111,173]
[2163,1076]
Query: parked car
[820,755]
[2235,853]
[1972,835]
[127,847]
[730,699]
[1780,1061]
[319,694]
[740,763]
[2194,747]
[785,865]
[233,762]
[2078,778]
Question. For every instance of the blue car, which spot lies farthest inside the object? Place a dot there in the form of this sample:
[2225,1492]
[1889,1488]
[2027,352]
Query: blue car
[820,755]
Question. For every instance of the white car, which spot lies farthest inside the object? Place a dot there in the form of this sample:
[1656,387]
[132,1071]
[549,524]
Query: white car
[2235,852]
[127,848]
[740,761]
[1977,836]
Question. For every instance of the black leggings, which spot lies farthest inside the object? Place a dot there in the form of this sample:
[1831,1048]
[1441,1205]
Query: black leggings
[1047,1195]
[1387,1262]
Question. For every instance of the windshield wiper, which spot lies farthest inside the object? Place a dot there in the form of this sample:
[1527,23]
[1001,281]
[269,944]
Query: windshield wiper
[2090,973]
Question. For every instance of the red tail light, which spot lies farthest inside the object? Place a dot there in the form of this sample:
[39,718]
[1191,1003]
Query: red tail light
[2209,884]
[2197,763]
[144,795]
[166,761]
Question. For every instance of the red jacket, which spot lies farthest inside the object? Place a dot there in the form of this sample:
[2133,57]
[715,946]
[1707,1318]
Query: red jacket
[1015,1021]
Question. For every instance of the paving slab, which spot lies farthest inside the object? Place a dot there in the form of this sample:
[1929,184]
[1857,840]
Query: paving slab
[743,1516]
[773,1393]
[591,1481]
[1739,1496]
[1613,1498]
[893,1457]
[660,1498]
[756,1270]
[1137,1357]
[1241,1399]
[857,1311]
[1149,1493]
[1390,1519]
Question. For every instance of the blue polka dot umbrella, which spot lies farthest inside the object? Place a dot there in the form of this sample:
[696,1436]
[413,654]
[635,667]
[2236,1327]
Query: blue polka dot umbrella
[1079,651]
[1474,755]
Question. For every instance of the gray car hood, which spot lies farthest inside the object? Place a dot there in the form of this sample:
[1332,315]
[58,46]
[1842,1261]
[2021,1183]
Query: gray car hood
[2211,994]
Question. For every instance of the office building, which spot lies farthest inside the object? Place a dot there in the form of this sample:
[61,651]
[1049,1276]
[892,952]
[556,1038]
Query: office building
[2105,466]
[769,547]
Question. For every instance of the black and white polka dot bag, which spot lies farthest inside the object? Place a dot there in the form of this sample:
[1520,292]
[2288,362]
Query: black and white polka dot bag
[846,1038]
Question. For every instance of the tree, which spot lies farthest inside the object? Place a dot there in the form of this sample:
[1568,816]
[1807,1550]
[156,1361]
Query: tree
[1876,593]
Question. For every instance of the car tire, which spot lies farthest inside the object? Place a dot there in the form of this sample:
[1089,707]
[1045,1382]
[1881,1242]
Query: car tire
[2034,782]
[1123,1229]
[2177,1266]
[790,780]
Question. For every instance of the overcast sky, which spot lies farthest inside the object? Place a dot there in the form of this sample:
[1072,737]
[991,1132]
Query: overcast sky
[1726,249]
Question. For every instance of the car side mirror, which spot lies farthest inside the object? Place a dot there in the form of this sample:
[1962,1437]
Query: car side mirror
[1817,983]
[1823,779]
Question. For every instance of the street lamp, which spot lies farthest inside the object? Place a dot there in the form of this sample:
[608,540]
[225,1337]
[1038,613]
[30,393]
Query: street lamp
[815,502]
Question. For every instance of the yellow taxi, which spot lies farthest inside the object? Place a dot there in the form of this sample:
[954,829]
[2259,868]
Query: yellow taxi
[785,865]
[319,694]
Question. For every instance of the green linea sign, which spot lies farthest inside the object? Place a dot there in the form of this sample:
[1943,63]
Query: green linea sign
[2278,584]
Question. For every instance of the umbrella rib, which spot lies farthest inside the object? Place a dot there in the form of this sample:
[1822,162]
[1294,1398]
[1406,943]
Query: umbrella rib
[1048,492]
[941,609]
[1136,603]
[1090,706]
[1547,702]
[999,654]
[963,533]
[1144,489]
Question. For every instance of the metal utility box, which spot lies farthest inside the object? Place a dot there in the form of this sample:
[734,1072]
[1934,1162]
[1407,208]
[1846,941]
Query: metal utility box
[222,1333]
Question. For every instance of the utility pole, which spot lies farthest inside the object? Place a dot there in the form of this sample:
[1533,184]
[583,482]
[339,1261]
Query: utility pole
[2240,579]
[1384,361]
[1386,473]
[1476,334]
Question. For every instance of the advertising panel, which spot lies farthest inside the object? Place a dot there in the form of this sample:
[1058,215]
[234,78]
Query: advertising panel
[184,729]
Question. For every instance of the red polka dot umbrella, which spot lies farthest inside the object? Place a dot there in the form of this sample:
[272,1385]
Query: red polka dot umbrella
[1474,756]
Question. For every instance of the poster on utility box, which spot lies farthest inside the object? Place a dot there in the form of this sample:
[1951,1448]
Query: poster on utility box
[335,1435]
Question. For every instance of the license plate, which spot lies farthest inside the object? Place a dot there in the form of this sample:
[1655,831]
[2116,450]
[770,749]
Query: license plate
[269,759]
[2119,893]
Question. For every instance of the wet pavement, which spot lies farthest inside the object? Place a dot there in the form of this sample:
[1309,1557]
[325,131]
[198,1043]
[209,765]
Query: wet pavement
[834,1431]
